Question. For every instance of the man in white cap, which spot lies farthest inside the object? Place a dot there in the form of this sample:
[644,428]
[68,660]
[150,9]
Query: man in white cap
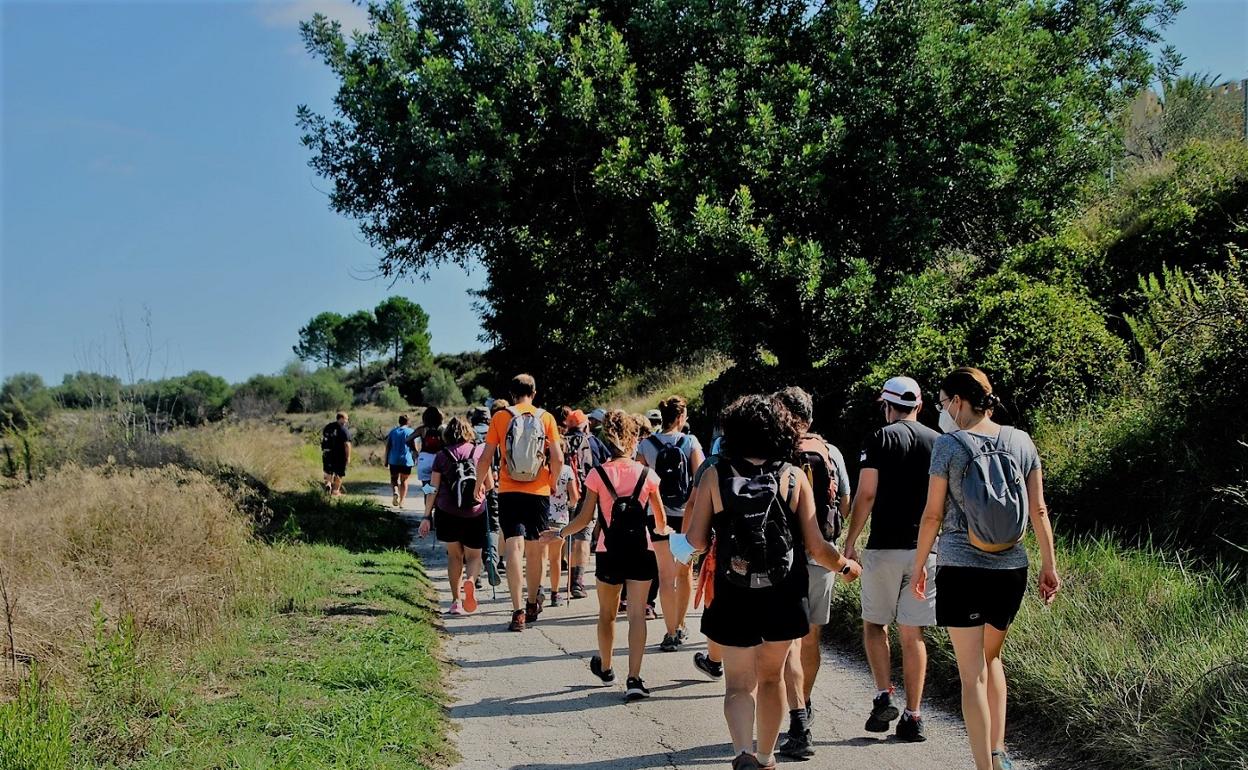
[892,491]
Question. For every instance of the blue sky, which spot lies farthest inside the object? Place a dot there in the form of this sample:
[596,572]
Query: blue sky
[151,168]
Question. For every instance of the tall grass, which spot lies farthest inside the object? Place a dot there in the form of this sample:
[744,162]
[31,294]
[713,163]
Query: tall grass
[641,392]
[1140,663]
[268,453]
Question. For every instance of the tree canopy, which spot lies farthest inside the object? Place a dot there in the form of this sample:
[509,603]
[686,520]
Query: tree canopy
[641,180]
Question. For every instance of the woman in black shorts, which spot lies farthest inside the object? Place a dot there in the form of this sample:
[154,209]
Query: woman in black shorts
[979,588]
[462,528]
[756,626]
[618,572]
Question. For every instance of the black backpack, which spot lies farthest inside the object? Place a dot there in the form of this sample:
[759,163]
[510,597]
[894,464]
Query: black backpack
[580,454]
[673,467]
[462,479]
[756,544]
[627,531]
[329,439]
[817,464]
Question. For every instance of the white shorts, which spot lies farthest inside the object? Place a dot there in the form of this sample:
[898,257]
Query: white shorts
[819,594]
[886,595]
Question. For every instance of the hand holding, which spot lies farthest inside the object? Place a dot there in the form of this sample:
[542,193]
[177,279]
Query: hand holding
[424,528]
[1050,584]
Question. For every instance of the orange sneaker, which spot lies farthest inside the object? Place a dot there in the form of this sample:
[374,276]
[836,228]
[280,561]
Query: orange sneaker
[470,596]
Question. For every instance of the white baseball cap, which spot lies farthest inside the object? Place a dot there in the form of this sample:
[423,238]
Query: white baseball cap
[902,391]
[654,414]
[598,414]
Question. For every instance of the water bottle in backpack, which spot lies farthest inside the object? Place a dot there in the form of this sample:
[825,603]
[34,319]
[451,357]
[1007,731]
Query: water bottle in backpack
[755,544]
[993,493]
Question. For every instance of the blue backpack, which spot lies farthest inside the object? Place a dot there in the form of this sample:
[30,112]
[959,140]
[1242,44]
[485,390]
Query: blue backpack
[993,493]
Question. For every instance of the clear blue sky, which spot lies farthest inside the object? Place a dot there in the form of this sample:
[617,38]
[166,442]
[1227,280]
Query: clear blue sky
[151,163]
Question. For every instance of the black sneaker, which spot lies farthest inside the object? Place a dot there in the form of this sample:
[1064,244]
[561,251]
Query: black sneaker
[670,643]
[595,667]
[792,746]
[578,591]
[703,663]
[810,714]
[682,635]
[635,689]
[882,713]
[910,729]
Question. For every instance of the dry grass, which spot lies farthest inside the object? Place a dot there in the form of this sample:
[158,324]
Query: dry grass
[262,450]
[165,547]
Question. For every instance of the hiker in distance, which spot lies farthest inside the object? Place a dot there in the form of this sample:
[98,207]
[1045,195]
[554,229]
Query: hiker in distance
[985,486]
[399,460]
[457,512]
[335,453]
[675,458]
[530,462]
[892,490]
[761,510]
[620,490]
[824,467]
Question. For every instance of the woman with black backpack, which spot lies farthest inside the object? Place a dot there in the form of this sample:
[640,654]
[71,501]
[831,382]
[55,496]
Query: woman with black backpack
[620,489]
[761,511]
[985,486]
[457,517]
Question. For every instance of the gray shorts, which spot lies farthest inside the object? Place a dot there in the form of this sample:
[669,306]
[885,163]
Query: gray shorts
[819,594]
[886,595]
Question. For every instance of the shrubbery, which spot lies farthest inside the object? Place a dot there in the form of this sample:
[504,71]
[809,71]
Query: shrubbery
[442,390]
[24,401]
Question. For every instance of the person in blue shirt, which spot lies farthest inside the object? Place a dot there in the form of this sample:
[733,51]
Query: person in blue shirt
[399,459]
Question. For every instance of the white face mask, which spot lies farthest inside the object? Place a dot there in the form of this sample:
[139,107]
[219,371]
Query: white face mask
[947,423]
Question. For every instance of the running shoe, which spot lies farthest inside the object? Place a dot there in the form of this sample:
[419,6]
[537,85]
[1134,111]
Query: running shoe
[470,596]
[623,606]
[1001,761]
[491,572]
[595,667]
[517,621]
[810,713]
[910,729]
[578,591]
[635,689]
[882,713]
[650,613]
[682,635]
[670,643]
[554,598]
[793,746]
[394,499]
[746,761]
[703,663]
[456,609]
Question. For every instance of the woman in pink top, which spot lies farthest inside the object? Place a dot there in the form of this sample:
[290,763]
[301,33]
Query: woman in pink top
[624,552]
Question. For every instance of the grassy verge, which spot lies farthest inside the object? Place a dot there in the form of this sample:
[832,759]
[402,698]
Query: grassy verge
[1139,664]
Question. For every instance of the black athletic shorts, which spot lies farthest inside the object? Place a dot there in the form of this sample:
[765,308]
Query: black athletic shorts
[467,531]
[747,617]
[613,569]
[967,597]
[523,515]
[334,466]
[673,522]
[400,470]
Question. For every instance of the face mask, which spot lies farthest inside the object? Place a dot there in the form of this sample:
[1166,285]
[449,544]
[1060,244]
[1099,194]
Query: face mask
[947,423]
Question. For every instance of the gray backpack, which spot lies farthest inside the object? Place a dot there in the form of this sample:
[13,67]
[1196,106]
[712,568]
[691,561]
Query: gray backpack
[525,450]
[993,494]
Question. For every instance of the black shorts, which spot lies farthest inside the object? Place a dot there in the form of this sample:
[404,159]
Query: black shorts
[467,531]
[334,466]
[967,597]
[400,470]
[747,617]
[614,570]
[673,522]
[523,515]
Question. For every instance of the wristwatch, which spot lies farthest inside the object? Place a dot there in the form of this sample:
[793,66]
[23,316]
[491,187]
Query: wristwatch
[845,570]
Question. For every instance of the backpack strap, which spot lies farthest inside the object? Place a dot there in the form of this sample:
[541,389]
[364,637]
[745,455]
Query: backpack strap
[792,485]
[656,441]
[641,481]
[602,473]
[680,442]
[1005,435]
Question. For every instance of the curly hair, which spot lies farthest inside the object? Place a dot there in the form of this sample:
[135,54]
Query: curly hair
[619,433]
[798,402]
[759,426]
[644,428]
[457,431]
[672,408]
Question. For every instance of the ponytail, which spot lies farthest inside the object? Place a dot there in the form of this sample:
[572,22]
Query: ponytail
[972,386]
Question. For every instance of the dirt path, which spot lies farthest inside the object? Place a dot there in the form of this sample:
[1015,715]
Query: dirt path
[527,701]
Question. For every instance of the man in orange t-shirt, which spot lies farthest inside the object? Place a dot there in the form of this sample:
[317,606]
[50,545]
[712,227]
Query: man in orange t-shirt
[523,506]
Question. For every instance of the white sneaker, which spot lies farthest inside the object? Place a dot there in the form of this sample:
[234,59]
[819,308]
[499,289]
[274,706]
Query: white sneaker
[394,499]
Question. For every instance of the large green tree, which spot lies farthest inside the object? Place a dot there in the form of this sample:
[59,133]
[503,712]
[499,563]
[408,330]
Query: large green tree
[317,340]
[356,337]
[403,327]
[642,179]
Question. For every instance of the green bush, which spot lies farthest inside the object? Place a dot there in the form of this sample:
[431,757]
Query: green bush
[1168,460]
[88,390]
[264,395]
[389,397]
[192,399]
[36,728]
[479,394]
[24,401]
[320,391]
[442,390]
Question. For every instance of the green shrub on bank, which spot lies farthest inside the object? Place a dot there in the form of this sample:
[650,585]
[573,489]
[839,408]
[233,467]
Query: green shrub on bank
[320,391]
[441,389]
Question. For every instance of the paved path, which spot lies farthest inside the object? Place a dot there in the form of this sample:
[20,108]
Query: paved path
[527,700]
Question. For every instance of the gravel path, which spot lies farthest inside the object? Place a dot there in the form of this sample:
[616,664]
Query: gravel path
[528,701]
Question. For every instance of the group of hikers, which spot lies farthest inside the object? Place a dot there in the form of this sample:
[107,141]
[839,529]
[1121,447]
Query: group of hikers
[758,520]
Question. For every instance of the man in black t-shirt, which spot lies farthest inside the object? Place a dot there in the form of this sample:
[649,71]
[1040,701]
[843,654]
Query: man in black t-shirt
[892,491]
[335,453]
